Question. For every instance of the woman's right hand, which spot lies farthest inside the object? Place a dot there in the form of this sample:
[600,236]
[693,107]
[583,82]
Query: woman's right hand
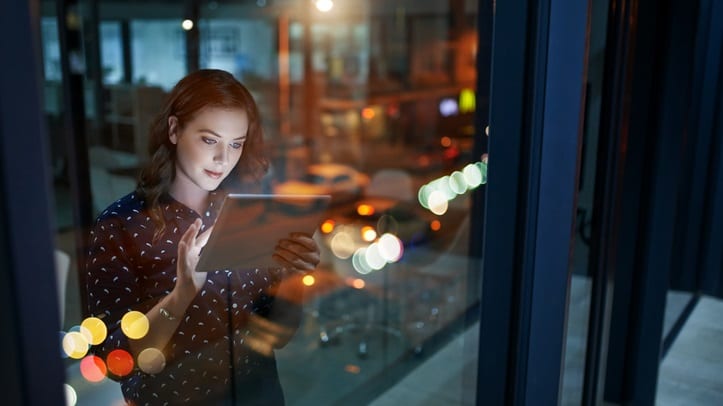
[189,247]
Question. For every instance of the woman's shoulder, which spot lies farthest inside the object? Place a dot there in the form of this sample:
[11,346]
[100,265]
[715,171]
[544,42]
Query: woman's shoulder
[125,208]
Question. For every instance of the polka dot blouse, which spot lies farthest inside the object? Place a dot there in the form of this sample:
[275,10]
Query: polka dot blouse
[215,356]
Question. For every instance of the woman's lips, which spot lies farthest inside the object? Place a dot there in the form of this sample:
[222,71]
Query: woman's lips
[213,174]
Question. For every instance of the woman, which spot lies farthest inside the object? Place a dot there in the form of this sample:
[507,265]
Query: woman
[210,336]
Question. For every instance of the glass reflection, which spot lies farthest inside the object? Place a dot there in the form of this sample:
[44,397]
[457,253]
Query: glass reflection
[372,104]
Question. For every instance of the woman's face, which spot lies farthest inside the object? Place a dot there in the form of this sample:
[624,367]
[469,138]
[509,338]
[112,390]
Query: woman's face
[207,148]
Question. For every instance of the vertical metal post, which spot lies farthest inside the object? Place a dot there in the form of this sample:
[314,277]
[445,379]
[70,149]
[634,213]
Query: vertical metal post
[74,130]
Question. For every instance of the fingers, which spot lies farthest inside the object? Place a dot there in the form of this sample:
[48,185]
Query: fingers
[299,251]
[202,239]
[190,235]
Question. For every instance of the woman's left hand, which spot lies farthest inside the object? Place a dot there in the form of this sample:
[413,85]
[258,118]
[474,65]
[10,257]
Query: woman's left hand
[298,252]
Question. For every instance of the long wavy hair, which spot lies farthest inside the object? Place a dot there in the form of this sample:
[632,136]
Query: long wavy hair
[199,90]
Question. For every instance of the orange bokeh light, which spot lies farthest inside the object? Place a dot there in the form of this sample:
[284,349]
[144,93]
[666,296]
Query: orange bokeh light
[368,113]
[445,141]
[435,225]
[365,209]
[358,283]
[120,362]
[327,226]
[93,368]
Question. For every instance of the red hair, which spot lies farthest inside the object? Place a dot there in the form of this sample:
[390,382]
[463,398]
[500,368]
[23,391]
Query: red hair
[199,90]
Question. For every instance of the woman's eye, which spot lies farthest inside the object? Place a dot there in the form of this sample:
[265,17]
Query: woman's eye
[236,145]
[209,141]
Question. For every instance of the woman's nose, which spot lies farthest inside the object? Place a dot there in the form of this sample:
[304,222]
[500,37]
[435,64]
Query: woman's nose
[221,155]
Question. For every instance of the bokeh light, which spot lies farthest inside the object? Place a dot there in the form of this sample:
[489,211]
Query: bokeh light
[95,329]
[368,233]
[71,397]
[120,362]
[134,325]
[324,5]
[435,225]
[359,262]
[374,258]
[151,361]
[365,209]
[187,24]
[472,175]
[390,247]
[308,280]
[93,368]
[342,245]
[438,203]
[358,283]
[445,141]
[327,226]
[457,182]
[75,345]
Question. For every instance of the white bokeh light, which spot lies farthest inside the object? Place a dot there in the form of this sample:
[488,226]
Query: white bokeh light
[374,258]
[390,247]
[438,203]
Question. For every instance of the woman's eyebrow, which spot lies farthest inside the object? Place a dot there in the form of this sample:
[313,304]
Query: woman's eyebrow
[206,130]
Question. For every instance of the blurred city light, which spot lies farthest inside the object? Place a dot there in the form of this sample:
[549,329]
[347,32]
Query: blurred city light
[448,107]
[368,233]
[151,361]
[71,397]
[342,245]
[93,368]
[435,194]
[120,362]
[359,262]
[187,24]
[373,257]
[390,247]
[324,5]
[95,329]
[75,345]
[134,325]
[308,280]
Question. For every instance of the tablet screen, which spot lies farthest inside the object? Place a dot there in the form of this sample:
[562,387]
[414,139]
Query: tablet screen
[249,226]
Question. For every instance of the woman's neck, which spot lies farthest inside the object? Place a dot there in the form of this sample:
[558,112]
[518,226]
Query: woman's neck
[194,198]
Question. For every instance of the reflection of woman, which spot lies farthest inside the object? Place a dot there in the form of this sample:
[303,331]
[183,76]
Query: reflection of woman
[211,335]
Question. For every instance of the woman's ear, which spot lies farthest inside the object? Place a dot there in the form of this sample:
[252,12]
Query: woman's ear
[173,129]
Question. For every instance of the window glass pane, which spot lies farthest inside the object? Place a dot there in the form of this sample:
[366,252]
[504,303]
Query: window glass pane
[372,105]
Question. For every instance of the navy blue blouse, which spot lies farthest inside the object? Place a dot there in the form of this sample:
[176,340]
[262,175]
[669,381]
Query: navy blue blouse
[127,270]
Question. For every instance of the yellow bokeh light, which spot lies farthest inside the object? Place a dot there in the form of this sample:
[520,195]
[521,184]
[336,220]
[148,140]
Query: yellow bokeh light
[365,209]
[151,361]
[95,328]
[342,245]
[308,280]
[467,101]
[368,233]
[75,345]
[134,325]
[358,283]
[327,226]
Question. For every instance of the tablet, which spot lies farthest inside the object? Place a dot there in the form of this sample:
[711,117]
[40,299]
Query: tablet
[249,226]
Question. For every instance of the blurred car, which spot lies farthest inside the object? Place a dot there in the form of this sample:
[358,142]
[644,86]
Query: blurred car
[342,182]
[357,225]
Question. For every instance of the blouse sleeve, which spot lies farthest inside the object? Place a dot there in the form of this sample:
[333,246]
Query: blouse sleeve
[112,287]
